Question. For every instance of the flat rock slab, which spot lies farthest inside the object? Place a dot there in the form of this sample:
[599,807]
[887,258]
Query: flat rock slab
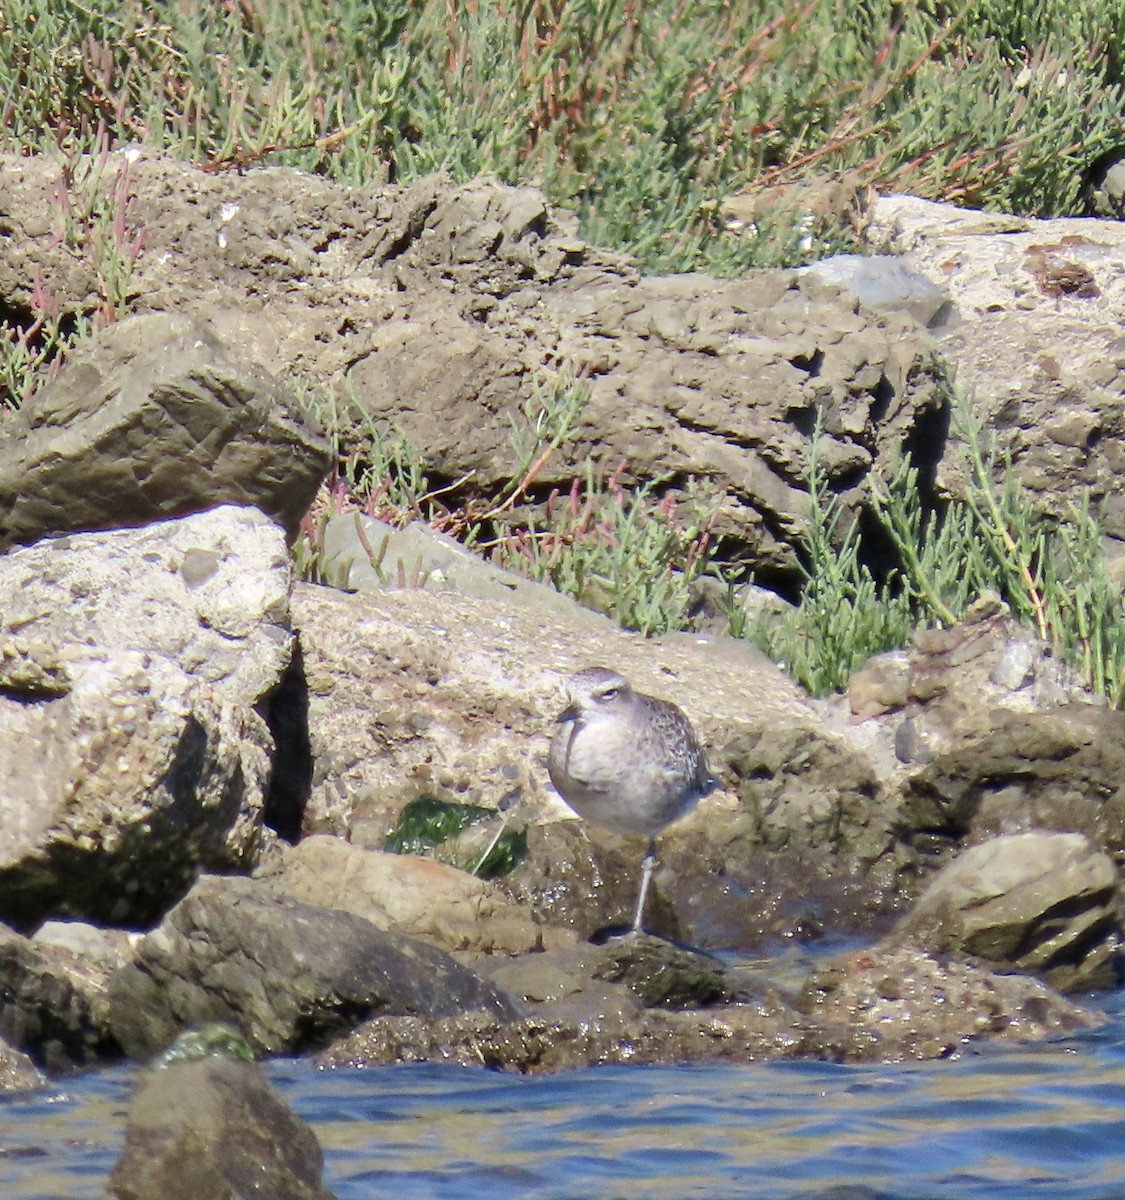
[215,1128]
[406,894]
[290,975]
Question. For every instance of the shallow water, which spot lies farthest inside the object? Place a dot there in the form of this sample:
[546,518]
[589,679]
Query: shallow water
[990,1125]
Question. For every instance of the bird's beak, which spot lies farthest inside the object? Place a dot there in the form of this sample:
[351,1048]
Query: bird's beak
[570,713]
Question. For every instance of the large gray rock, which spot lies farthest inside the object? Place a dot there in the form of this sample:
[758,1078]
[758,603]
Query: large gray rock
[439,308]
[130,755]
[154,418]
[1042,903]
[207,593]
[215,1128]
[290,975]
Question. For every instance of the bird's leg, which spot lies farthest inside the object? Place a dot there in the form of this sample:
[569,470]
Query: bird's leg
[647,868]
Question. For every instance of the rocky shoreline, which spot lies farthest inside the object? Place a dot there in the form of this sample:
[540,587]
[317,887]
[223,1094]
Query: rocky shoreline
[202,760]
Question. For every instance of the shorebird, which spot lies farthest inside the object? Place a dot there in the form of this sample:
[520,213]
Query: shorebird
[628,762]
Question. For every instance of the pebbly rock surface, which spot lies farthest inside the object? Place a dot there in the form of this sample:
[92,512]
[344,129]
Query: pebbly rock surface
[130,753]
[214,1127]
[886,1004]
[892,1002]
[437,309]
[289,975]
[1039,903]
[154,418]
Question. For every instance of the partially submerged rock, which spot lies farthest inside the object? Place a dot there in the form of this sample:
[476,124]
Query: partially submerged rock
[54,1005]
[214,1127]
[17,1072]
[289,975]
[881,1005]
[889,1003]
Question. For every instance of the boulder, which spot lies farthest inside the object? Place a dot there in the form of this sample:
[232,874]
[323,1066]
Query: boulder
[154,418]
[214,1127]
[208,594]
[890,1003]
[413,693]
[1040,903]
[405,894]
[289,975]
[17,1072]
[130,755]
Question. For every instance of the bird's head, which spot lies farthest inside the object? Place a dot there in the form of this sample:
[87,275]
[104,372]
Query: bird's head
[595,690]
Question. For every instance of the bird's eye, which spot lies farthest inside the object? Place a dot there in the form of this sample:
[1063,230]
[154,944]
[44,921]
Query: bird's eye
[609,694]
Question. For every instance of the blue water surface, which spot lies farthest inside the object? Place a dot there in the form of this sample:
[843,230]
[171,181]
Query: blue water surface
[994,1124]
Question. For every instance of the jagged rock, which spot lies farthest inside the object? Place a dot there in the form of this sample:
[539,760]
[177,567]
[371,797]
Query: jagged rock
[129,754]
[978,730]
[1035,339]
[1041,903]
[468,294]
[289,975]
[153,418]
[53,1004]
[215,1127]
[17,1072]
[412,693]
[416,897]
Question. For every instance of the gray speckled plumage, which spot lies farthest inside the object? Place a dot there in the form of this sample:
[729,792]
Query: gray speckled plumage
[626,761]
